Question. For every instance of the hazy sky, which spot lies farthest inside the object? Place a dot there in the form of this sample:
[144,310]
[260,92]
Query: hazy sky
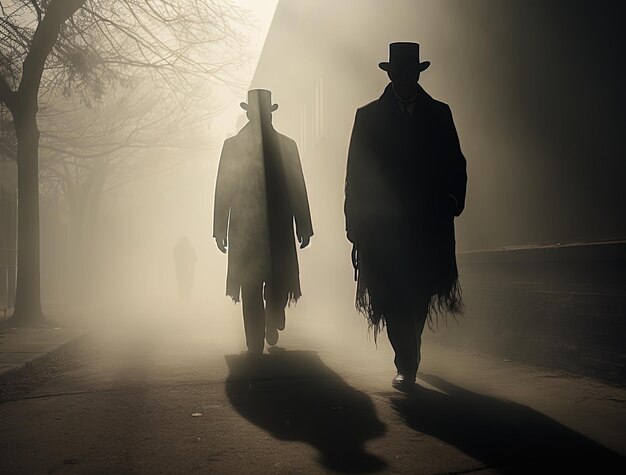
[261,13]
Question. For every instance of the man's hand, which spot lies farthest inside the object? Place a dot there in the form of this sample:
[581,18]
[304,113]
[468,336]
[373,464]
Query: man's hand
[354,255]
[452,204]
[304,241]
[222,243]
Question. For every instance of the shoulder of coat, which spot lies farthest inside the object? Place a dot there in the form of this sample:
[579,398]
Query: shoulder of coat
[286,140]
[367,112]
[438,105]
[230,140]
[441,105]
[228,144]
[370,106]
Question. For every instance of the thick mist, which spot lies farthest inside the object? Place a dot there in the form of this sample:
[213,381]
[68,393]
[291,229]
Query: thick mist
[535,90]
[139,334]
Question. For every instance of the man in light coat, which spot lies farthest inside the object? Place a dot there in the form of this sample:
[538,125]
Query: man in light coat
[260,191]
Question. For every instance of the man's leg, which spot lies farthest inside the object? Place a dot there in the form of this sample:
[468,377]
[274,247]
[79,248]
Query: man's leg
[274,313]
[253,316]
[276,303]
[404,328]
[401,330]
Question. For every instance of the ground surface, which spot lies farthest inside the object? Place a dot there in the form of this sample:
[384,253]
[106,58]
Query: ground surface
[180,397]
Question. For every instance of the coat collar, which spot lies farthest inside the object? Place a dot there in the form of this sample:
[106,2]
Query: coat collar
[389,96]
[250,128]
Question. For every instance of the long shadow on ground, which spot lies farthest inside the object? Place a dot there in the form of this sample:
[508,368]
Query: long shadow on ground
[508,437]
[294,396]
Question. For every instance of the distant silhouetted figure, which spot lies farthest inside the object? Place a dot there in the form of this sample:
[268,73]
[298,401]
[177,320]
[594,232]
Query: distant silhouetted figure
[260,189]
[405,183]
[185,262]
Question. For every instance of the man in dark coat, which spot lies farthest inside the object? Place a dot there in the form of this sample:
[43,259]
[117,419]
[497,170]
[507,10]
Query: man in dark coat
[405,183]
[260,190]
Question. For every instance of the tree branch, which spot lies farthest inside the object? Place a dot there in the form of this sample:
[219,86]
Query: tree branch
[38,10]
[43,41]
[7,95]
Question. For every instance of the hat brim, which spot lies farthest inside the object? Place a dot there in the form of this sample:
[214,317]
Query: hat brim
[245,106]
[386,66]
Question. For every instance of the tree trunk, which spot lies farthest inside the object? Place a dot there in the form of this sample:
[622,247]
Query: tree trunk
[24,107]
[28,295]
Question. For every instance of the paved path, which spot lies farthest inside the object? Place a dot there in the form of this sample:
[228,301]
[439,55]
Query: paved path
[180,398]
[24,348]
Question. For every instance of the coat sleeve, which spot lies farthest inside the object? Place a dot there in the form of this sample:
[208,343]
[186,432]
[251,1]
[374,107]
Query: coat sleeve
[456,173]
[298,193]
[224,188]
[353,185]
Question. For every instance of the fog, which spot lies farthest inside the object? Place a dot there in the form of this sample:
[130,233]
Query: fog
[535,92]
[137,355]
[113,258]
[112,262]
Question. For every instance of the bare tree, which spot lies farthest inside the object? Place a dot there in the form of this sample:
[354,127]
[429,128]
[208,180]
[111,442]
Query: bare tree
[8,142]
[95,151]
[83,46]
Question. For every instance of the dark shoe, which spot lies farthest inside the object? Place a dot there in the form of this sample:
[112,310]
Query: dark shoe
[254,353]
[271,335]
[402,382]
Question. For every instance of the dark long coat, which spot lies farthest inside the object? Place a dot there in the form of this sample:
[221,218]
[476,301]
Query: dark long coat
[405,183]
[260,189]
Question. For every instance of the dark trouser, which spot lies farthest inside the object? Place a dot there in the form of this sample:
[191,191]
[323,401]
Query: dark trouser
[404,328]
[255,312]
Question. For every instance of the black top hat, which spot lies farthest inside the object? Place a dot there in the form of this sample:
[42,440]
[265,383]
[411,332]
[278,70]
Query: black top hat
[262,98]
[404,55]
